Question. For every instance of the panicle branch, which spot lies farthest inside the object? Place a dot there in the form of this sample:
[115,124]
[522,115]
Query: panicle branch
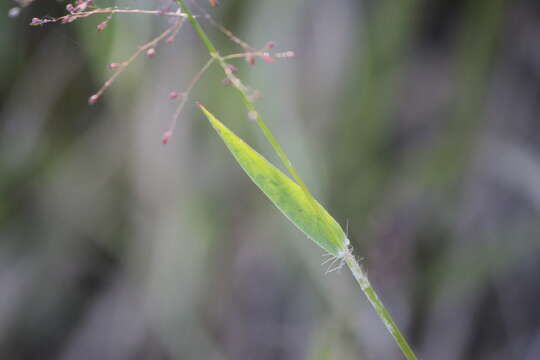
[80,14]
[80,9]
[148,48]
[184,95]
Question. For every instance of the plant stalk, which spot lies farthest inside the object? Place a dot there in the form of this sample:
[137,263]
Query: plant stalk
[361,278]
[244,96]
[359,275]
[200,32]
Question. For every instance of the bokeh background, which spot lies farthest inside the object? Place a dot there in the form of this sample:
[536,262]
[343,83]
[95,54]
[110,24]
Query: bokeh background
[415,121]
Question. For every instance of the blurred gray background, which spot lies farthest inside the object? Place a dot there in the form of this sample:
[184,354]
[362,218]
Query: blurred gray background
[416,122]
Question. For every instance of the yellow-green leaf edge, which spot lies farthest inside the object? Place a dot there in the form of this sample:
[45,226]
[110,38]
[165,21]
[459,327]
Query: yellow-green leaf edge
[300,208]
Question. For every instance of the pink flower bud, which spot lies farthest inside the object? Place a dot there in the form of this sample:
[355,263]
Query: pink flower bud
[227,82]
[170,39]
[92,99]
[66,19]
[173,95]
[70,8]
[250,59]
[151,52]
[270,45]
[36,22]
[166,137]
[232,68]
[267,58]
[114,66]
[102,25]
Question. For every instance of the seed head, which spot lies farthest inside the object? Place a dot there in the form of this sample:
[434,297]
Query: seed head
[270,45]
[267,58]
[66,19]
[92,99]
[36,22]
[250,59]
[102,25]
[166,137]
[82,5]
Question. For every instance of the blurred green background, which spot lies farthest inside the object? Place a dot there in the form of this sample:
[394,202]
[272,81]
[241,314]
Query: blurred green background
[415,121]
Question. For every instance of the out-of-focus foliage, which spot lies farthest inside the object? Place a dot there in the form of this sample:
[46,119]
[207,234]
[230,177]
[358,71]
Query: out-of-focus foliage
[415,121]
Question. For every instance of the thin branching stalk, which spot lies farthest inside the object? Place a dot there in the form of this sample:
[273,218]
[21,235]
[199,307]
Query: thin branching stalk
[347,257]
[120,67]
[84,14]
[362,280]
[187,92]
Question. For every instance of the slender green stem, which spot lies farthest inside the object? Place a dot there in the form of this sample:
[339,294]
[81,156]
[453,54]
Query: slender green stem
[211,48]
[362,280]
[349,259]
[254,114]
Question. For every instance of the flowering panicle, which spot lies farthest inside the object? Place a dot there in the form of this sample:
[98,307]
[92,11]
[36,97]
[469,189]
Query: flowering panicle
[79,6]
[78,9]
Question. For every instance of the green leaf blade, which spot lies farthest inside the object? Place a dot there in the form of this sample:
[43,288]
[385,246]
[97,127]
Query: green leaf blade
[300,208]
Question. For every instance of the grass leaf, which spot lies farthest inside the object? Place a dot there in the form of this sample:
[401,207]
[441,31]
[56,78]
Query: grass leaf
[298,206]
